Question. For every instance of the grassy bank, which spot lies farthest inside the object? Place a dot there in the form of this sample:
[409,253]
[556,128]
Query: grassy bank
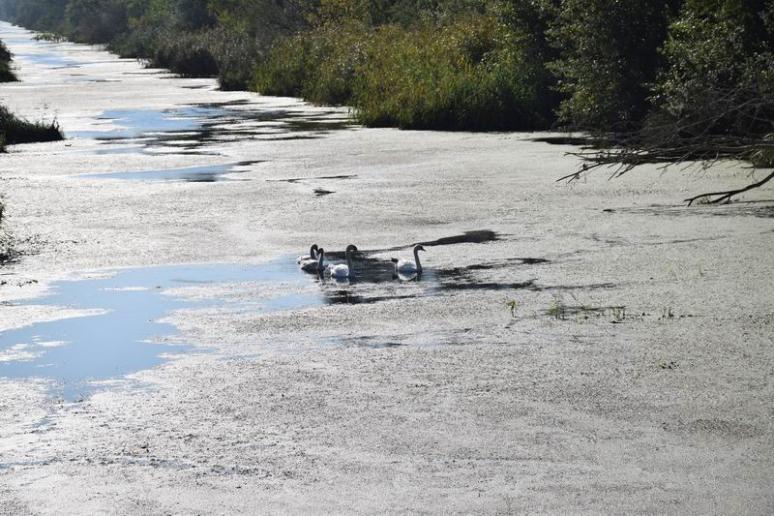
[466,74]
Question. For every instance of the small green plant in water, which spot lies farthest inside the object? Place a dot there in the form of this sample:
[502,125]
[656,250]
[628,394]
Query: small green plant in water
[49,36]
[557,309]
[17,130]
[513,306]
[663,364]
[619,313]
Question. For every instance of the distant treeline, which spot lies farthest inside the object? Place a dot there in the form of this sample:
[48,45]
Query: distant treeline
[698,67]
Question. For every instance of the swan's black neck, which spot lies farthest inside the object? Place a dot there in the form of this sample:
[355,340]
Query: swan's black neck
[416,260]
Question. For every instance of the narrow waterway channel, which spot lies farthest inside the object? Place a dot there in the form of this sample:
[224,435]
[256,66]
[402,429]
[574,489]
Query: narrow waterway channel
[594,347]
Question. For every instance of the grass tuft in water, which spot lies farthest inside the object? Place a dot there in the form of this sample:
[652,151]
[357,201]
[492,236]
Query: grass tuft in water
[513,307]
[50,37]
[17,130]
[557,309]
[7,252]
[6,74]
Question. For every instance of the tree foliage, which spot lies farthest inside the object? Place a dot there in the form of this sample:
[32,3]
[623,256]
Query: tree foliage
[6,74]
[609,57]
[720,78]
[713,98]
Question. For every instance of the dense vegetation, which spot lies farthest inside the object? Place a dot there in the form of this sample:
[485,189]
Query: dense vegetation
[666,79]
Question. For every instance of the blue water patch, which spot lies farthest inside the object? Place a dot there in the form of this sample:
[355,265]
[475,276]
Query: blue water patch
[49,59]
[187,129]
[121,333]
[135,123]
[201,174]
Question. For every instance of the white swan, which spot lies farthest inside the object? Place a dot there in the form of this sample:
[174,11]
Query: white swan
[342,271]
[313,266]
[311,256]
[407,266]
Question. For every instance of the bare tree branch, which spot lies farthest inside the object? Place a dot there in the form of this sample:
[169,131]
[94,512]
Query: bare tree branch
[726,196]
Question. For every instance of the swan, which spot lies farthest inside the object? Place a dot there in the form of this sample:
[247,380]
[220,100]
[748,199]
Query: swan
[396,274]
[314,265]
[342,270]
[407,266]
[311,256]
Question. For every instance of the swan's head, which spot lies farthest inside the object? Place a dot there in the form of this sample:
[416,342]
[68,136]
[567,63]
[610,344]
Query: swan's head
[351,248]
[394,260]
[320,253]
[419,248]
[313,251]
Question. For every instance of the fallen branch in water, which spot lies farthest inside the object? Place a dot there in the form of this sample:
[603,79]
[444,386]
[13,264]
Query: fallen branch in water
[736,123]
[726,196]
[706,150]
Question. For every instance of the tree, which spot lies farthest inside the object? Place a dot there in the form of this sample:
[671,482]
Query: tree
[715,97]
[608,56]
[95,21]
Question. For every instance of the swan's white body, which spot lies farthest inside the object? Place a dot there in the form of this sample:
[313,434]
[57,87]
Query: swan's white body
[343,270]
[406,267]
[340,271]
[311,256]
[314,265]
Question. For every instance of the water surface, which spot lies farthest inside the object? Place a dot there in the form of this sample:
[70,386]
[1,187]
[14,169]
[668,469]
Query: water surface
[121,332]
[201,174]
[188,129]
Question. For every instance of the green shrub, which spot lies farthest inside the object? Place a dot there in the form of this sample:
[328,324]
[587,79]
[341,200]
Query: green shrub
[6,74]
[217,52]
[15,130]
[608,58]
[720,78]
[339,54]
[95,21]
[187,54]
[234,52]
[318,65]
[286,68]
[464,76]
